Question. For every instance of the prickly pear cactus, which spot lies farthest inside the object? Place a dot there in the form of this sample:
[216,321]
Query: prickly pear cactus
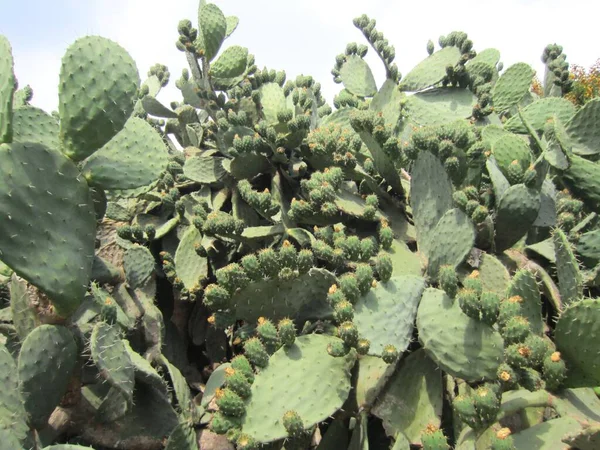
[248,266]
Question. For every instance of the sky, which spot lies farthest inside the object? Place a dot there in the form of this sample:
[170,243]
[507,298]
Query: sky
[300,37]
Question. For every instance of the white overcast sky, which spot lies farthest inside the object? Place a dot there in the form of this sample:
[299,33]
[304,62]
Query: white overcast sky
[300,36]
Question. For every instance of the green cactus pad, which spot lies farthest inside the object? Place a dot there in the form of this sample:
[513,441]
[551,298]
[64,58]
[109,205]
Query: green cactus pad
[156,108]
[249,165]
[93,107]
[183,437]
[35,213]
[112,359]
[576,336]
[212,29]
[232,23]
[277,298]
[489,56]
[12,411]
[588,248]
[387,313]
[135,157]
[570,281]
[463,347]
[272,100]
[509,148]
[546,435]
[191,268]
[413,398]
[431,70]
[453,239]
[404,261]
[47,358]
[33,125]
[440,106]
[538,112]
[67,447]
[583,180]
[204,169]
[24,315]
[293,373]
[8,85]
[431,197]
[493,275]
[144,372]
[586,439]
[512,86]
[525,286]
[491,133]
[138,263]
[583,130]
[517,210]
[357,77]
[373,373]
[499,181]
[180,387]
[383,164]
[231,63]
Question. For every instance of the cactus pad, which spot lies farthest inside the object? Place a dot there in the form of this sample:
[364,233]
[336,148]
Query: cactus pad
[386,314]
[431,70]
[464,347]
[12,410]
[538,112]
[357,77]
[583,131]
[413,398]
[32,238]
[512,86]
[517,210]
[212,26]
[8,84]
[93,107]
[138,264]
[135,157]
[47,358]
[282,386]
[33,125]
[576,337]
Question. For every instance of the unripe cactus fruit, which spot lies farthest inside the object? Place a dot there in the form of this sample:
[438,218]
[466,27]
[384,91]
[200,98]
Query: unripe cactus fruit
[473,282]
[490,307]
[514,173]
[364,276]
[335,295]
[216,297]
[288,255]
[245,442]
[337,348]
[518,355]
[241,364]
[448,280]
[433,439]
[221,424]
[108,312]
[554,371]
[267,333]
[230,403]
[237,382]
[343,311]
[252,267]
[487,405]
[363,346]
[386,235]
[516,330]
[502,440]
[507,377]
[540,347]
[480,214]
[348,332]
[465,408]
[293,424]
[389,354]
[256,353]
[269,262]
[287,332]
[384,267]
[305,261]
[469,303]
[349,286]
[509,307]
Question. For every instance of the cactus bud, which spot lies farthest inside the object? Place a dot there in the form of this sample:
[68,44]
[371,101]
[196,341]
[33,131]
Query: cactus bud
[364,276]
[216,297]
[389,354]
[267,333]
[256,353]
[287,332]
[241,364]
[363,346]
[230,403]
[293,424]
[448,280]
[384,267]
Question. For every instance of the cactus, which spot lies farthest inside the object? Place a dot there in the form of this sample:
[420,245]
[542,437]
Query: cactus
[429,240]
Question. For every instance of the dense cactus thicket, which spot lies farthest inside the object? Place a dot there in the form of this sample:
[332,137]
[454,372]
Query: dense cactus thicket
[250,267]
